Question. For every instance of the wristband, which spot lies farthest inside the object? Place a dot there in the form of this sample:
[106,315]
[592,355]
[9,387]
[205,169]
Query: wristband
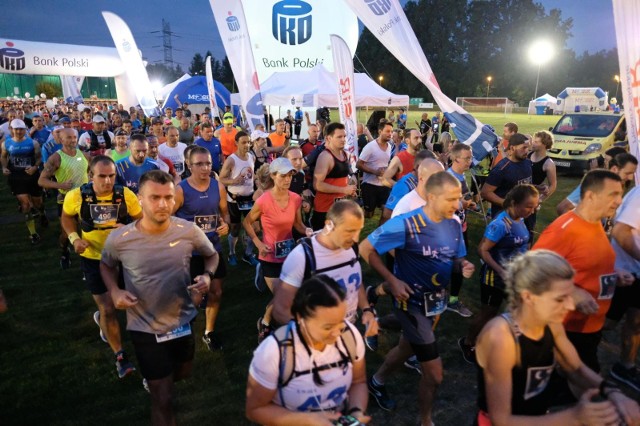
[354,410]
[73,237]
[211,275]
[369,309]
[607,388]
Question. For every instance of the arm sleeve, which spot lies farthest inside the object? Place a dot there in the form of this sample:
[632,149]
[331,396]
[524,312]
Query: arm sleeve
[264,365]
[293,267]
[366,153]
[389,236]
[72,202]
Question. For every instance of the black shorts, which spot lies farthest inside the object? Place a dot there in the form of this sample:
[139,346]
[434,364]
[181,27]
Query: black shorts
[93,280]
[418,330]
[196,267]
[24,184]
[160,360]
[270,269]
[623,299]
[374,196]
[492,288]
[235,214]
[586,345]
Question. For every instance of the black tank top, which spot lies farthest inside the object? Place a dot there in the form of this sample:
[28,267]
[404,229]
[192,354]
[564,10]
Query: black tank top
[537,174]
[340,167]
[531,395]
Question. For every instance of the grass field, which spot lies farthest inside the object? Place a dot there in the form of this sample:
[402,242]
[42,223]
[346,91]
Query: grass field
[56,370]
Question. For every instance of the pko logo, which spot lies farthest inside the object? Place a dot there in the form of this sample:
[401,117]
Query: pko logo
[379,7]
[291,22]
[12,59]
[233,23]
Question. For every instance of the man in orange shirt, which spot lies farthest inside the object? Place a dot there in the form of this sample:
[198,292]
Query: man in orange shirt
[227,135]
[579,237]
[281,137]
[508,130]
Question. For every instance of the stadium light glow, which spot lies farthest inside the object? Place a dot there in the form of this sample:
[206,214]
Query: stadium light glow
[540,52]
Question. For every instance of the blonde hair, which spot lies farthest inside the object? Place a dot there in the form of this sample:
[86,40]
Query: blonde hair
[263,178]
[534,271]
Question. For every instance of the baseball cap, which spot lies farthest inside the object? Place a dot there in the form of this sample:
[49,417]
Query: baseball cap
[281,166]
[64,119]
[227,118]
[121,132]
[156,121]
[16,123]
[256,134]
[98,119]
[517,139]
[58,127]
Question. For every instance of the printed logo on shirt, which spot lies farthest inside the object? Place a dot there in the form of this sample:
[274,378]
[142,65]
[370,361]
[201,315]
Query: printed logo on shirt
[607,286]
[537,380]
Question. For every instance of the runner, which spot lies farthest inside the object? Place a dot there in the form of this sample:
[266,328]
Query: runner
[99,206]
[428,246]
[159,296]
[20,162]
[97,140]
[202,200]
[121,148]
[132,168]
[519,350]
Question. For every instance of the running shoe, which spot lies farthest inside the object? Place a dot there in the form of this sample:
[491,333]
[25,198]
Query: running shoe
[232,260]
[35,239]
[628,376]
[413,364]
[212,342]
[264,330]
[459,308]
[372,297]
[123,365]
[96,319]
[258,280]
[250,259]
[468,351]
[380,394]
[145,385]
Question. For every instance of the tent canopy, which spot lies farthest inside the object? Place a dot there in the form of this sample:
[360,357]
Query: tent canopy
[317,87]
[538,105]
[194,91]
[163,93]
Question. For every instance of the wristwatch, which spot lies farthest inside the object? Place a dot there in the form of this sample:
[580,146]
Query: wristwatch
[211,275]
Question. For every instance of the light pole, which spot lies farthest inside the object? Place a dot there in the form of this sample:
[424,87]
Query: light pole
[617,80]
[380,78]
[489,78]
[540,53]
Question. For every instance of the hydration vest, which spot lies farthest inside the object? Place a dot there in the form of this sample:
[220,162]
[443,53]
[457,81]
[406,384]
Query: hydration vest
[89,197]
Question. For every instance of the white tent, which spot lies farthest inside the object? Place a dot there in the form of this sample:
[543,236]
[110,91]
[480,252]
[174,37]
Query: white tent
[583,99]
[163,92]
[317,87]
[538,105]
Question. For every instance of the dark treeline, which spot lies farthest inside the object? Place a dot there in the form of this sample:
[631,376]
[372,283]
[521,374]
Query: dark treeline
[466,41]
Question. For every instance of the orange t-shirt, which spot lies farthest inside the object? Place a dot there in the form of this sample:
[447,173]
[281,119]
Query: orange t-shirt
[228,141]
[586,247]
[277,140]
[499,156]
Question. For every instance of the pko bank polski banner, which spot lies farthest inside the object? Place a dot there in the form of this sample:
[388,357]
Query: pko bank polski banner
[29,57]
[387,21]
[293,35]
[626,14]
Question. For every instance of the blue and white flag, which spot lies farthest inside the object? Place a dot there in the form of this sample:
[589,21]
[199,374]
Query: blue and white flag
[71,88]
[387,21]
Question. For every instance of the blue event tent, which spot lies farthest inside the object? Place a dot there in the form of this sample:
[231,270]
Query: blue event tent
[194,91]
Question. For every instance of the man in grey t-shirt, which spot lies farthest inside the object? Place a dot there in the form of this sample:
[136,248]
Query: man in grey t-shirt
[159,298]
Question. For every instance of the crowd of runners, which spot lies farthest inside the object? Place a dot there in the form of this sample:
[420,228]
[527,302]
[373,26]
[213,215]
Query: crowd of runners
[148,203]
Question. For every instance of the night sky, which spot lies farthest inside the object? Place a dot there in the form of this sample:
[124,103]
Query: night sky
[80,22]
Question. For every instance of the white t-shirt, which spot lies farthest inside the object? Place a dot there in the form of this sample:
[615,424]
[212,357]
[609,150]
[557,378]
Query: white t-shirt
[375,158]
[174,154]
[349,277]
[408,203]
[301,393]
[629,214]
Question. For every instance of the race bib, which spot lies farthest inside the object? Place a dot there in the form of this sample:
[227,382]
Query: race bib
[537,380]
[21,162]
[179,166]
[607,286]
[283,248]
[207,223]
[245,205]
[435,302]
[183,330]
[104,214]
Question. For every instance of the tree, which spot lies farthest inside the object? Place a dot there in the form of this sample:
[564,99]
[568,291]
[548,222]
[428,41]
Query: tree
[197,65]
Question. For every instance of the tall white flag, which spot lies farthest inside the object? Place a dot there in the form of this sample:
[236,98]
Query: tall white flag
[134,68]
[626,14]
[211,89]
[71,88]
[387,21]
[232,26]
[343,66]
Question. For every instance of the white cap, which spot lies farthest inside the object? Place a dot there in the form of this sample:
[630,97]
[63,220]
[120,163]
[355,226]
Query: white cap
[256,134]
[98,119]
[281,166]
[16,123]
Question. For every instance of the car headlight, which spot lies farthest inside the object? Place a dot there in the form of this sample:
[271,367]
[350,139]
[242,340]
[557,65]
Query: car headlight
[594,147]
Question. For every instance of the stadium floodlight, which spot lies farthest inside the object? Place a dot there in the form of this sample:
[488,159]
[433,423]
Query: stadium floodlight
[380,78]
[616,78]
[489,78]
[157,85]
[540,53]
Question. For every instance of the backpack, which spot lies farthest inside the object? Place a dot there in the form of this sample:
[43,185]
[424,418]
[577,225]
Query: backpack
[287,364]
[89,197]
[310,267]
